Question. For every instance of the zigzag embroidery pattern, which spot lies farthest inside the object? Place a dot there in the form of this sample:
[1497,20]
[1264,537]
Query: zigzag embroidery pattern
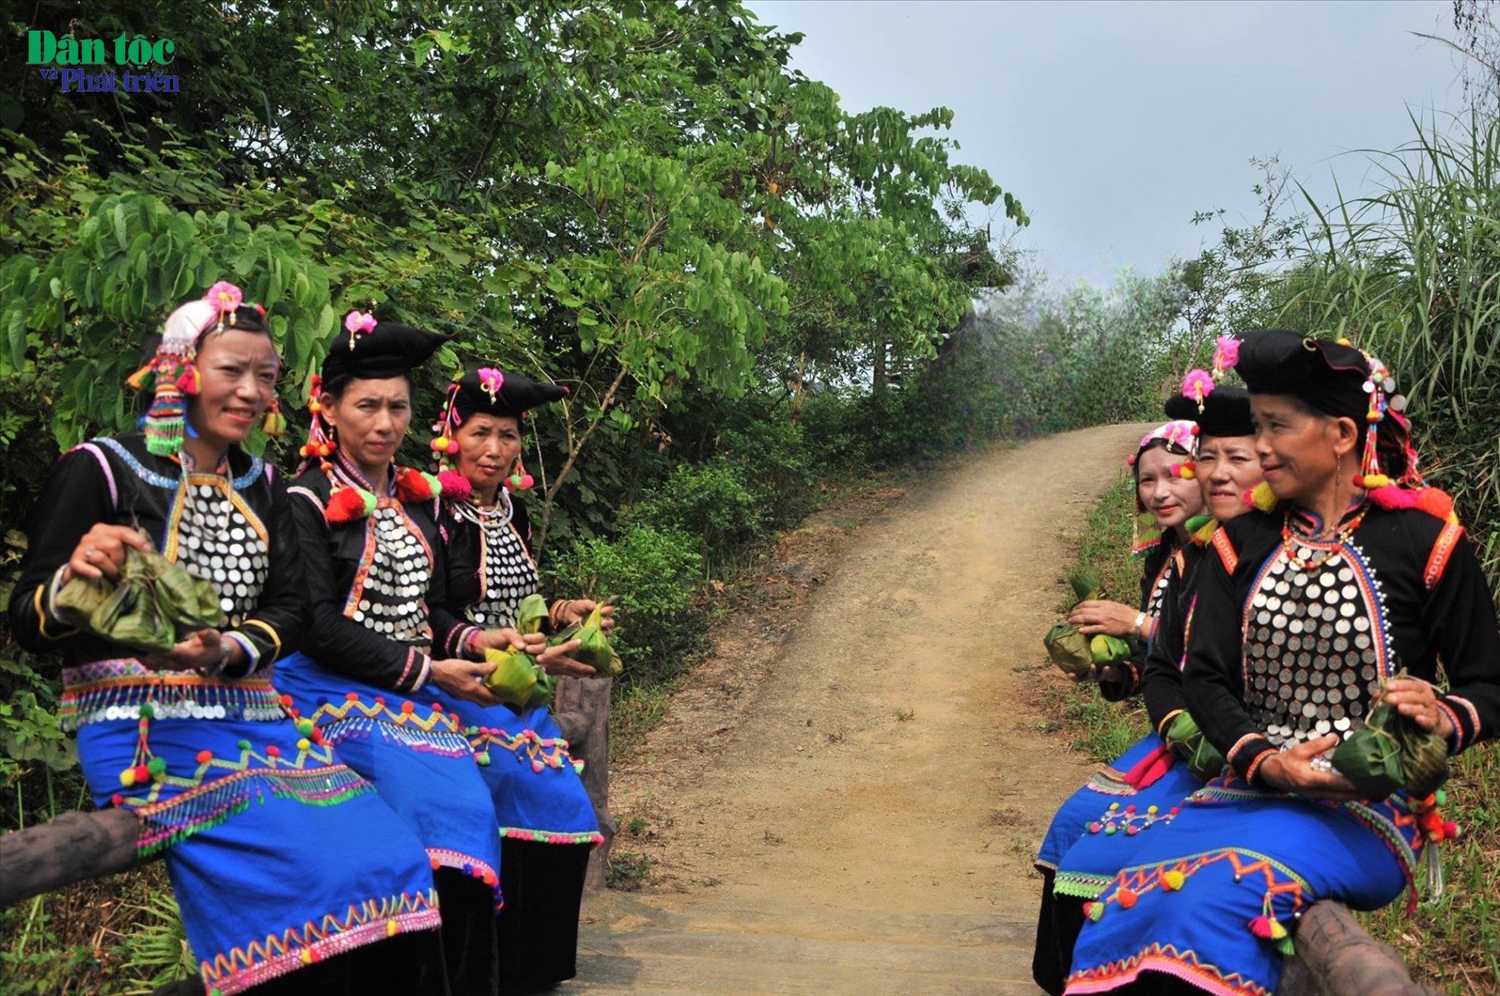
[364,923]
[1131,883]
[542,752]
[1167,959]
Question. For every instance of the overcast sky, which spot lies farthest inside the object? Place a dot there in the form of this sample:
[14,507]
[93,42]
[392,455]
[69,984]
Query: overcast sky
[1115,122]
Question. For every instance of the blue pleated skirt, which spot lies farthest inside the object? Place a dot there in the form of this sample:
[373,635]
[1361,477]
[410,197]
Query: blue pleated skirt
[1212,898]
[279,854]
[532,778]
[413,753]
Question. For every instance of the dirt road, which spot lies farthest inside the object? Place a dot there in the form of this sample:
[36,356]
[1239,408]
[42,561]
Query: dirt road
[855,810]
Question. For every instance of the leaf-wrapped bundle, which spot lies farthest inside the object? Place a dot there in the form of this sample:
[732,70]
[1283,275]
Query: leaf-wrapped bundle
[1187,741]
[153,605]
[1069,649]
[518,680]
[594,646]
[1106,649]
[1392,752]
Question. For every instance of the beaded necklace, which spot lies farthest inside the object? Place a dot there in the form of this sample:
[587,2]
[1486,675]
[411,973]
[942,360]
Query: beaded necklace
[497,514]
[1345,533]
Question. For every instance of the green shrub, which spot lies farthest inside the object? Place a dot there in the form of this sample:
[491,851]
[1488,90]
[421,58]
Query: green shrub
[709,501]
[663,618]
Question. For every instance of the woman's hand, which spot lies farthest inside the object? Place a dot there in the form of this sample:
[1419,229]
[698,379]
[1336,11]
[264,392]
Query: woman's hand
[555,660]
[1097,673]
[1097,615]
[506,638]
[101,552]
[203,650]
[575,610]
[1417,700]
[1292,770]
[465,680]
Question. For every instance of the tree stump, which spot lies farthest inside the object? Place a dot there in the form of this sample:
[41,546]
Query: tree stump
[582,711]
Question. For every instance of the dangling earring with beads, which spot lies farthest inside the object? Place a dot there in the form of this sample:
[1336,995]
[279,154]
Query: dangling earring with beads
[519,480]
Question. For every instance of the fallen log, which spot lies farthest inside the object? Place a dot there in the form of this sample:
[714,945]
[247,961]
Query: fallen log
[1335,957]
[66,849]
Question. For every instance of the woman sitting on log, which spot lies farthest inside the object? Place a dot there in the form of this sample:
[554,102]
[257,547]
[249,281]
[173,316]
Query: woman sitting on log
[1226,471]
[547,822]
[382,642]
[1170,498]
[193,739]
[1321,619]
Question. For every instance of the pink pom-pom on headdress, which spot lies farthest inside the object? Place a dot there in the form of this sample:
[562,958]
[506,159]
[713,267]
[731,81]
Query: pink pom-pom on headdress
[490,381]
[357,323]
[1198,384]
[224,296]
[1226,353]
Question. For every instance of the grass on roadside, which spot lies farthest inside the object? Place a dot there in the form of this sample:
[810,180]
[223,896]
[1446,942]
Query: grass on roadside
[1452,944]
[1104,730]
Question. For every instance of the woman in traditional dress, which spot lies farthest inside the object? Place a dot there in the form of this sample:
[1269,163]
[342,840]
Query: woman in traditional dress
[1166,491]
[381,642]
[546,819]
[1226,471]
[1305,616]
[195,741]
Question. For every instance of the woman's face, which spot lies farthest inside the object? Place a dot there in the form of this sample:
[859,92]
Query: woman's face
[371,419]
[488,447]
[1300,452]
[237,382]
[1227,469]
[1171,500]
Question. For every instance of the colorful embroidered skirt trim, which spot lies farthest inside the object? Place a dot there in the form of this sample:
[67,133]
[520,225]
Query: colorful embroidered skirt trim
[1213,896]
[105,691]
[532,778]
[1090,806]
[245,811]
[278,955]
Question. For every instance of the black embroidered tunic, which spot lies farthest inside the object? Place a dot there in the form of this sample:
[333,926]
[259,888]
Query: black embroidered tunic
[231,529]
[377,586]
[1292,636]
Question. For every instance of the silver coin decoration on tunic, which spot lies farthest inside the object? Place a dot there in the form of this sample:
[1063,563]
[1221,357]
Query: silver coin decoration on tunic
[509,575]
[1311,661]
[393,601]
[216,541]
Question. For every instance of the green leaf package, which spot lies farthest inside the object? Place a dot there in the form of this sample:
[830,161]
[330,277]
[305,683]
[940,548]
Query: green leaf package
[1392,752]
[1069,649]
[594,647]
[518,680]
[154,604]
[1188,742]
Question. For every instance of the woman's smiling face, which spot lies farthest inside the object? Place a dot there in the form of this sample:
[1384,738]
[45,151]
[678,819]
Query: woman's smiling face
[237,381]
[1300,451]
[1170,499]
[1227,469]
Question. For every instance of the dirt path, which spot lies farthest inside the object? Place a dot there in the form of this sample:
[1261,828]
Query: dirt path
[855,809]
